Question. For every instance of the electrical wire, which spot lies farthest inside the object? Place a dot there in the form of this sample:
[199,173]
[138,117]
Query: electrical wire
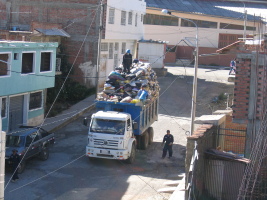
[58,91]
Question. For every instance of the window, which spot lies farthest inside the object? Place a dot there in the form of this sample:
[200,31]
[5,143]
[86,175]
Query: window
[128,124]
[136,19]
[200,23]
[4,64]
[110,51]
[236,27]
[3,107]
[130,18]
[35,100]
[27,63]
[31,139]
[160,20]
[104,46]
[142,17]
[123,18]
[116,61]
[45,61]
[16,56]
[111,16]
[116,48]
[123,48]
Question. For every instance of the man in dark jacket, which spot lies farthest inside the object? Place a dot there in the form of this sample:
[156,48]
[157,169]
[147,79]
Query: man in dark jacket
[15,160]
[127,61]
[168,140]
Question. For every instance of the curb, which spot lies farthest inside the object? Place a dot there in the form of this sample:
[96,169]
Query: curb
[71,118]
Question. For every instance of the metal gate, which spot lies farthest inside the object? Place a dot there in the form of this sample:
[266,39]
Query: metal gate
[232,140]
[15,112]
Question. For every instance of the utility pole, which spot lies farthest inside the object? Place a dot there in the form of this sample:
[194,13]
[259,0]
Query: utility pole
[99,45]
[2,161]
[194,93]
[245,24]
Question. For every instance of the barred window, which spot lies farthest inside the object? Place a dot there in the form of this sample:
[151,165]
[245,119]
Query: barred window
[123,18]
[110,52]
[104,46]
[123,48]
[236,27]
[130,18]
[160,20]
[111,17]
[199,23]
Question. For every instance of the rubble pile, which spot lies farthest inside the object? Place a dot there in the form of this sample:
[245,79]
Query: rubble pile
[122,87]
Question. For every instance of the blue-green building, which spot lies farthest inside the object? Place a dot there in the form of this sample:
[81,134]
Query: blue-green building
[27,69]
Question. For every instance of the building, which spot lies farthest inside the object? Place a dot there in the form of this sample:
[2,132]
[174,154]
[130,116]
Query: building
[219,23]
[249,110]
[27,70]
[122,27]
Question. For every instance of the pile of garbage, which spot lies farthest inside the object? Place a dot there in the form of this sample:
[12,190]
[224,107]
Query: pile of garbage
[124,88]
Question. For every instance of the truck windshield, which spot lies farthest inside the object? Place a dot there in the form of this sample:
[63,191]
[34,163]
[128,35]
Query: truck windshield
[107,126]
[14,141]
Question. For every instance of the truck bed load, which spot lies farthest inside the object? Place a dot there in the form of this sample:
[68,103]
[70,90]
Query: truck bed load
[123,88]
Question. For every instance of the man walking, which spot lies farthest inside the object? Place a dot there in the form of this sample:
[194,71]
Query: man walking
[168,140]
[232,66]
[15,160]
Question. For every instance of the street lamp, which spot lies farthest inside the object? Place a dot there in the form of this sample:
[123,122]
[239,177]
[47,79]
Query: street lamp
[194,93]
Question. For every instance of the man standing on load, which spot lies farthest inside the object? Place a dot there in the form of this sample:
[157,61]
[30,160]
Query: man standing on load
[127,61]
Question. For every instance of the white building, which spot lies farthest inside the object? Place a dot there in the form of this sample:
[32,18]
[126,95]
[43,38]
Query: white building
[123,28]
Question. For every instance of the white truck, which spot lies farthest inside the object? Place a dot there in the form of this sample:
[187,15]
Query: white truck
[118,128]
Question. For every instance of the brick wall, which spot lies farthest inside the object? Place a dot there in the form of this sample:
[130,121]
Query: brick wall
[247,88]
[204,139]
[186,52]
[235,136]
[242,89]
[75,17]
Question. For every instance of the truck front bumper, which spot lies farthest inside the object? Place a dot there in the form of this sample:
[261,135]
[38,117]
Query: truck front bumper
[121,154]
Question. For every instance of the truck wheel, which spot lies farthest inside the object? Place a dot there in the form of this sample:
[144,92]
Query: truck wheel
[22,167]
[144,140]
[131,159]
[44,155]
[151,135]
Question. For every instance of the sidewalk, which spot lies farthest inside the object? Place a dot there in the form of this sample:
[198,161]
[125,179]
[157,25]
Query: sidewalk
[67,116]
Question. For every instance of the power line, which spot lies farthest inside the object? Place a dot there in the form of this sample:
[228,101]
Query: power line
[60,88]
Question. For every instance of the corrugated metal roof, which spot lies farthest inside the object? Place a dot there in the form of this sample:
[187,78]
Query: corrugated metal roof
[53,32]
[218,8]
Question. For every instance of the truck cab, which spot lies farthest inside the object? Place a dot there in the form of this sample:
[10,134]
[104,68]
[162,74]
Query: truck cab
[111,136]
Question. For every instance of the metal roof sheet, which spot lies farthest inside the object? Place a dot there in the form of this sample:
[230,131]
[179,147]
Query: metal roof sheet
[229,9]
[53,32]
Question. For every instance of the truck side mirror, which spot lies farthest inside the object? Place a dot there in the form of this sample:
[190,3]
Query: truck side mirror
[135,125]
[85,121]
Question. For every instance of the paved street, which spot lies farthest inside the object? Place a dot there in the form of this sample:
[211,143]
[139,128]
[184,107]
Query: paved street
[69,175]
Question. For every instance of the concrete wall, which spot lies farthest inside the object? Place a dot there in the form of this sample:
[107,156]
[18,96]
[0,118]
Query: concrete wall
[152,52]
